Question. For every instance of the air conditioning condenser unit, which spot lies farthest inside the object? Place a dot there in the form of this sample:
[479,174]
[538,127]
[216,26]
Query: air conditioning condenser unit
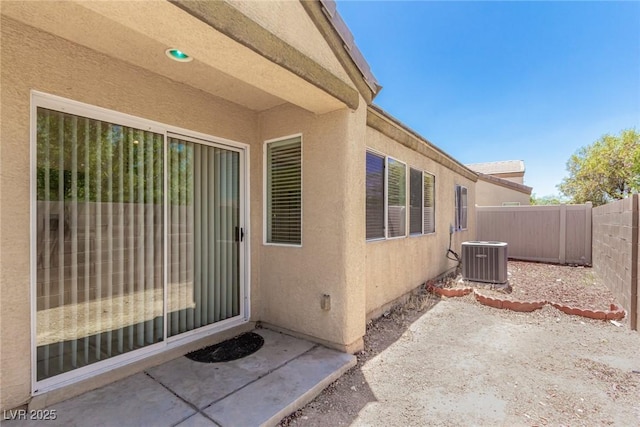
[484,261]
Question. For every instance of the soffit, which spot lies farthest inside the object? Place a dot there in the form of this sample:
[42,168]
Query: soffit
[289,21]
[140,32]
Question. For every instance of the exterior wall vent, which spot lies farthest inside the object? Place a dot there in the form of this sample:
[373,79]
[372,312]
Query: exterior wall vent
[484,261]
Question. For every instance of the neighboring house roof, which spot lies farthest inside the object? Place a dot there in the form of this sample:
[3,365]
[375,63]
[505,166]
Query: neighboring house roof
[493,168]
[505,183]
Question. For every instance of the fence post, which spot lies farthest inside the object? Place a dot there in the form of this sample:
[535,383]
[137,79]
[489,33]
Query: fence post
[587,232]
[563,234]
[634,263]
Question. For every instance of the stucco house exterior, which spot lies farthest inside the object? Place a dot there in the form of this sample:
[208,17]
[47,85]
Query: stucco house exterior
[173,172]
[501,183]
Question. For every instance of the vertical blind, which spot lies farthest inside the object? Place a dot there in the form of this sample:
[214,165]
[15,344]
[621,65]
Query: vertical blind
[204,194]
[429,203]
[284,191]
[396,198]
[415,201]
[100,239]
[375,196]
[99,215]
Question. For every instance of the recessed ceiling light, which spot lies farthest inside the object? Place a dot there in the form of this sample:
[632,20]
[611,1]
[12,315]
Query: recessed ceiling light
[178,55]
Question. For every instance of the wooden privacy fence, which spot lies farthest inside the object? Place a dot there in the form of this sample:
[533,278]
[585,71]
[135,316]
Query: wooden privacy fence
[557,234]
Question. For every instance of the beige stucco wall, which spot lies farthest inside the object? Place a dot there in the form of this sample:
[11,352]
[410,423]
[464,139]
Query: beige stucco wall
[289,21]
[35,60]
[396,266]
[489,194]
[286,283]
[331,259]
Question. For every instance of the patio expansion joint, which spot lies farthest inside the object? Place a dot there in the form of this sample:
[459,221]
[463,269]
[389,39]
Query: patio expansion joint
[260,377]
[201,411]
[191,405]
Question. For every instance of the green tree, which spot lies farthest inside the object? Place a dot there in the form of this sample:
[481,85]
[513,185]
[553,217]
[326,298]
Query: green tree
[547,200]
[608,169]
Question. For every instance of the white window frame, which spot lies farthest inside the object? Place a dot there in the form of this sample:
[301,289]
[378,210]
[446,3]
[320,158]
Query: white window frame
[421,232]
[458,207]
[424,173]
[265,195]
[386,199]
[65,105]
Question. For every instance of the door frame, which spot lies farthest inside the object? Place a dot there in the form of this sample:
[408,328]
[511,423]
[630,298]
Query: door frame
[57,103]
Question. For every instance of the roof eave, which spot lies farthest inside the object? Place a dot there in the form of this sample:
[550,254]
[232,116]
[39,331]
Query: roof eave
[325,16]
[385,123]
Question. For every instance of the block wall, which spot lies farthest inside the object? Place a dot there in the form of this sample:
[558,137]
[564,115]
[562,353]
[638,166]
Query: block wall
[615,252]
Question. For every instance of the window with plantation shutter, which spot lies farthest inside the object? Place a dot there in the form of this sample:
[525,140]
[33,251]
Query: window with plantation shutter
[284,191]
[375,196]
[429,203]
[415,201]
[396,198]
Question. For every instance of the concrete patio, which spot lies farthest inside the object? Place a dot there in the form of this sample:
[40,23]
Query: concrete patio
[258,390]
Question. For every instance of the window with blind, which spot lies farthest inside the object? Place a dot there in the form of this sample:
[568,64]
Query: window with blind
[429,203]
[386,185]
[461,207]
[284,192]
[375,196]
[396,198]
[415,201]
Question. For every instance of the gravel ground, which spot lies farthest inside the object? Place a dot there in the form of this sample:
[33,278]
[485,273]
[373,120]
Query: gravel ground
[455,362]
[575,286]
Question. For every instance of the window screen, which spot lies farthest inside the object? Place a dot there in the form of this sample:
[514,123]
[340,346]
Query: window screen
[415,201]
[284,191]
[461,207]
[375,196]
[429,203]
[396,198]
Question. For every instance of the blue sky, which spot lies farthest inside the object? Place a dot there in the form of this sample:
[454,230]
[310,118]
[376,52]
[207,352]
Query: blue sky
[489,81]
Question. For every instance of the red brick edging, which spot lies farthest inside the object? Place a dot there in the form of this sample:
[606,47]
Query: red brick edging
[614,313]
[449,292]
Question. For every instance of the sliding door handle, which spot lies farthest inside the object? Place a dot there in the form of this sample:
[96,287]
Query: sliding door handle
[239,234]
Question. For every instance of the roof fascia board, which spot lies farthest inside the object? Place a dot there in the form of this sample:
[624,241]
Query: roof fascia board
[507,174]
[381,121]
[322,13]
[231,22]
[505,183]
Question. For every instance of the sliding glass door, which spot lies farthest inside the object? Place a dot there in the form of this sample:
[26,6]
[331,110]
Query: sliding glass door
[138,236]
[204,230]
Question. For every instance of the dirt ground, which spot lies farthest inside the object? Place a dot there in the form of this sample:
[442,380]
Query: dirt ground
[455,362]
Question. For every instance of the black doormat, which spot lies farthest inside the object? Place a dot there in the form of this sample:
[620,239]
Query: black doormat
[231,349]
